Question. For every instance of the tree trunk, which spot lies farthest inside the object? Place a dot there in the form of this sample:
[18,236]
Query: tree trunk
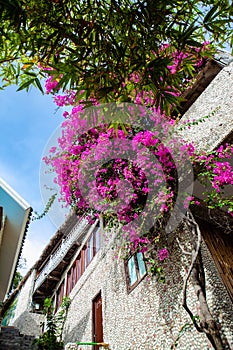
[207,323]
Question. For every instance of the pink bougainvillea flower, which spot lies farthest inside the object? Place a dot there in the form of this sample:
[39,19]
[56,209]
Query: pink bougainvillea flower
[163,254]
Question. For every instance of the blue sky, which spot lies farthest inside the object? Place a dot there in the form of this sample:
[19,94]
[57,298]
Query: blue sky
[27,122]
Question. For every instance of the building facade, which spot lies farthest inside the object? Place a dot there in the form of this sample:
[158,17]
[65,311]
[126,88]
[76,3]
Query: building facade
[114,300]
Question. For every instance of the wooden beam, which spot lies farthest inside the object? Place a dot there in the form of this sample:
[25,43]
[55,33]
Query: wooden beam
[54,278]
[39,292]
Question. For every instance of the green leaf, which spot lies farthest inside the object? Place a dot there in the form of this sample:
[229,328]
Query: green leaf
[26,85]
[210,14]
[38,84]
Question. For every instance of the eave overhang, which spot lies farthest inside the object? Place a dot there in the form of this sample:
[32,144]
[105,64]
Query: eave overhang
[17,213]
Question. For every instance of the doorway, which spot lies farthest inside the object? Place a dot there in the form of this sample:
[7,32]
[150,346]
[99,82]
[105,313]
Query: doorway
[97,329]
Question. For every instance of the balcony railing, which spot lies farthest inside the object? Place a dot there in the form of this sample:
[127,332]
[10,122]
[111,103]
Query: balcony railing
[60,253]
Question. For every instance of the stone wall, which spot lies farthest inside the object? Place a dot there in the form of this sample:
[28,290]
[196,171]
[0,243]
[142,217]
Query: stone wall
[150,316]
[12,339]
[24,319]
[217,98]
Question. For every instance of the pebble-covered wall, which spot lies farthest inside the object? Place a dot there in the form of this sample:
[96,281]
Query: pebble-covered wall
[150,316]
[217,103]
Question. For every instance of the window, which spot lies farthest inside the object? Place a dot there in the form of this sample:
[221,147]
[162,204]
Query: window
[74,275]
[59,296]
[79,266]
[135,270]
[69,282]
[71,278]
[97,321]
[93,244]
[84,258]
[90,249]
[97,239]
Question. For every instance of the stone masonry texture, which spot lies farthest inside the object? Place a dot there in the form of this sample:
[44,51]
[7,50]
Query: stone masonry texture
[12,339]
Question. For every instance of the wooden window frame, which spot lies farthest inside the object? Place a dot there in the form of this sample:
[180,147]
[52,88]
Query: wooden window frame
[139,278]
[74,274]
[82,260]
[69,282]
[59,295]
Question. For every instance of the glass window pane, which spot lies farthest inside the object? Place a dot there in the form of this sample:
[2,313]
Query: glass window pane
[74,275]
[132,271]
[90,249]
[141,265]
[79,267]
[97,239]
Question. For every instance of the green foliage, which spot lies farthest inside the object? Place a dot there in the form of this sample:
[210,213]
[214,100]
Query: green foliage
[48,341]
[49,204]
[155,270]
[186,327]
[17,278]
[94,45]
[51,339]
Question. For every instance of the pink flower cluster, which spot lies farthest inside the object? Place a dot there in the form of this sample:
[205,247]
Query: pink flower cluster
[139,244]
[217,166]
[50,84]
[94,167]
[223,175]
[63,100]
[179,57]
[163,254]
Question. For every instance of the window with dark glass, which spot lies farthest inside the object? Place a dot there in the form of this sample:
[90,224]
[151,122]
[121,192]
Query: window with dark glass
[135,270]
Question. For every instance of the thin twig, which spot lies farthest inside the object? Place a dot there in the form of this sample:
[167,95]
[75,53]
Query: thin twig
[181,248]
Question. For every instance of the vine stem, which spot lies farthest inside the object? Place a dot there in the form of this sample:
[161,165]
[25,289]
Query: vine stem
[195,250]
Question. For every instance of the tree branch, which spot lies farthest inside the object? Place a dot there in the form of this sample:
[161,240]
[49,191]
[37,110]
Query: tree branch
[196,273]
[195,250]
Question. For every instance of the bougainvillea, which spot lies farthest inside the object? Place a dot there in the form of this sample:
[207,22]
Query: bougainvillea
[125,161]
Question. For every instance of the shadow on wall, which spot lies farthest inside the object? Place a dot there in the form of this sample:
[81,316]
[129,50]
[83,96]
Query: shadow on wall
[75,334]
